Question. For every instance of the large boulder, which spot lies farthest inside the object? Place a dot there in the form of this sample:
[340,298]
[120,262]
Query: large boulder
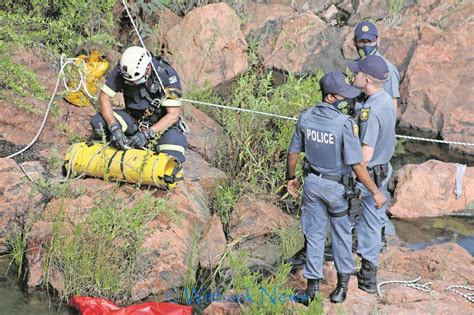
[212,244]
[165,256]
[427,190]
[252,224]
[208,47]
[304,45]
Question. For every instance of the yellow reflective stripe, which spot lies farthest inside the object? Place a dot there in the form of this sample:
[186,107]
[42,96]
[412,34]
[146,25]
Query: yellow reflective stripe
[170,102]
[172,147]
[122,122]
[108,91]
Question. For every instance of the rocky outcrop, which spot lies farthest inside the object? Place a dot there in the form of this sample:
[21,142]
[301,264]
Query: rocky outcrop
[427,190]
[304,45]
[429,96]
[205,134]
[213,243]
[196,169]
[15,199]
[208,48]
[223,308]
[252,224]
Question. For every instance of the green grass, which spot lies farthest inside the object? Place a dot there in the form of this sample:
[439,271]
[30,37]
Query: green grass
[98,257]
[291,240]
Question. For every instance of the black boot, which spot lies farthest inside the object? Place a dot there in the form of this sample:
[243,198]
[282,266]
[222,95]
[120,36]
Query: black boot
[367,277]
[298,259]
[339,294]
[312,289]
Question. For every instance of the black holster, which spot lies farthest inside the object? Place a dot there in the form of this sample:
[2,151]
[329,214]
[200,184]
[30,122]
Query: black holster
[352,194]
[378,173]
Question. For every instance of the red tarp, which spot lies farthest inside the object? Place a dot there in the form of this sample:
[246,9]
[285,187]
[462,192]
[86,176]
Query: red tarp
[99,306]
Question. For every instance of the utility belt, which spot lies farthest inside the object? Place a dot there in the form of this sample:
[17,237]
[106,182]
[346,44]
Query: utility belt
[351,192]
[378,173]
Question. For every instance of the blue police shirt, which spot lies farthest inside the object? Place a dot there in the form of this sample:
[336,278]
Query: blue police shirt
[377,127]
[392,84]
[328,138]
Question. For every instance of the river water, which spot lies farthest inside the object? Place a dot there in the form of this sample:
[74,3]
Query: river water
[416,234]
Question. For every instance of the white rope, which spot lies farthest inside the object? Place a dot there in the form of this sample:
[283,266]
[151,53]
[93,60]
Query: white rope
[408,283]
[258,112]
[82,83]
[143,45]
[467,296]
[296,119]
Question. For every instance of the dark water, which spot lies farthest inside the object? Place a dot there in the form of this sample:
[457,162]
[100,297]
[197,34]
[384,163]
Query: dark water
[423,232]
[14,301]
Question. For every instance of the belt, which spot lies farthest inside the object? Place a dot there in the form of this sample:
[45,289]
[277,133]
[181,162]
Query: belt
[336,178]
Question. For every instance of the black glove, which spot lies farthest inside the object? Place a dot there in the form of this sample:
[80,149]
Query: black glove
[118,139]
[140,139]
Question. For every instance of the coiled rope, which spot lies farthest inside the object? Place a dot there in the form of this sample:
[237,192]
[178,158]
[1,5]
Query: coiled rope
[81,84]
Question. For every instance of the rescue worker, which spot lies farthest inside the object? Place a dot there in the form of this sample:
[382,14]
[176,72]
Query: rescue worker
[331,144]
[152,105]
[377,121]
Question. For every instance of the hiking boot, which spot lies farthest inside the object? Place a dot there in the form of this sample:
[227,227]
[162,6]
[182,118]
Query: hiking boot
[367,277]
[298,259]
[339,294]
[312,289]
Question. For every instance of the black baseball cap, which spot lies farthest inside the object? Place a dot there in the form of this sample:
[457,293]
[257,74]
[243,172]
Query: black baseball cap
[373,65]
[337,83]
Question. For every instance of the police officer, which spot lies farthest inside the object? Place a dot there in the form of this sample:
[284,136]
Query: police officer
[377,121]
[152,105]
[330,141]
[367,41]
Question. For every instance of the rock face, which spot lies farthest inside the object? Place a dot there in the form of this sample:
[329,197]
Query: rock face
[304,45]
[205,135]
[213,243]
[208,47]
[252,224]
[197,169]
[15,201]
[427,190]
[164,260]
[430,96]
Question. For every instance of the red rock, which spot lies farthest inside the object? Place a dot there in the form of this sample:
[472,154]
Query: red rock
[427,190]
[458,126]
[206,134]
[15,201]
[196,169]
[208,47]
[212,244]
[256,218]
[39,234]
[447,262]
[223,308]
[429,95]
[164,258]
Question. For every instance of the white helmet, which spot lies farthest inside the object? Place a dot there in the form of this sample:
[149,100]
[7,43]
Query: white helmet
[134,63]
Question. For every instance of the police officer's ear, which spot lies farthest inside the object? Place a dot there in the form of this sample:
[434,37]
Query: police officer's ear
[329,98]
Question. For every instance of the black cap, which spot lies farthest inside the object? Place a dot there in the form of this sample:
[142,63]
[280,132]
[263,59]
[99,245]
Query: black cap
[337,83]
[372,65]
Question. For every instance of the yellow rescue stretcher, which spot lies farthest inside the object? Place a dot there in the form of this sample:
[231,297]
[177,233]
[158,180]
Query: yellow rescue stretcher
[132,166]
